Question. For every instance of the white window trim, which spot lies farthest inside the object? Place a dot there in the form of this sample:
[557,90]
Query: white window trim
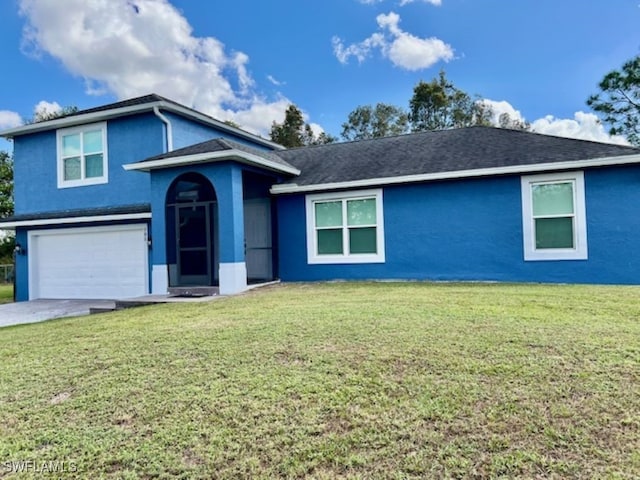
[314,258]
[62,183]
[580,252]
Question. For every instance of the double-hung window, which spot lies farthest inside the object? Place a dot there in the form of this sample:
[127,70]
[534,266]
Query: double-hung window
[82,155]
[554,216]
[345,227]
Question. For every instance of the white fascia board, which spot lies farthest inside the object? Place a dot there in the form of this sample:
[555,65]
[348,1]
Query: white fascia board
[118,112]
[480,172]
[77,120]
[233,154]
[68,220]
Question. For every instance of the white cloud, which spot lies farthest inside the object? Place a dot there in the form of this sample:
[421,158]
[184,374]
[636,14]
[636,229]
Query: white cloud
[44,108]
[9,119]
[259,116]
[135,47]
[403,49]
[500,107]
[276,82]
[437,3]
[583,125]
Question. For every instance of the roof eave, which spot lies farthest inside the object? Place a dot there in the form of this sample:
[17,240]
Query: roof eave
[224,155]
[37,222]
[459,174]
[80,119]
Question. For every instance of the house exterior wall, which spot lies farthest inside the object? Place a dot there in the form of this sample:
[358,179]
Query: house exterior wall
[187,132]
[129,139]
[471,230]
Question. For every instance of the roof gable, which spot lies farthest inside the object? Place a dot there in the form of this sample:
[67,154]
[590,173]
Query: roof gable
[218,149]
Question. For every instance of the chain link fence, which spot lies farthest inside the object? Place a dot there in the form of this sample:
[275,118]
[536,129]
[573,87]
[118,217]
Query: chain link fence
[6,273]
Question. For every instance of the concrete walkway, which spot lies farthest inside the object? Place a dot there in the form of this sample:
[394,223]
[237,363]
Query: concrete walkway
[40,310]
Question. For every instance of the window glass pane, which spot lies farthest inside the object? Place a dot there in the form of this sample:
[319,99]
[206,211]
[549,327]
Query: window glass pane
[362,240]
[361,212]
[72,168]
[328,214]
[93,141]
[330,242]
[553,199]
[93,166]
[554,233]
[71,145]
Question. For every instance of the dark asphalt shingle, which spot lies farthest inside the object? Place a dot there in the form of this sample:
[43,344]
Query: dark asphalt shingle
[83,212]
[438,152]
[218,145]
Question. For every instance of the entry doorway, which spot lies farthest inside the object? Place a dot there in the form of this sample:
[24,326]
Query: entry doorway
[193,243]
[191,232]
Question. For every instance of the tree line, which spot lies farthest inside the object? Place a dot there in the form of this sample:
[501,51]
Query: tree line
[439,105]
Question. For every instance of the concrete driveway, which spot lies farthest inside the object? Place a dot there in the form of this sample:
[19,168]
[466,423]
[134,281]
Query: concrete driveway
[40,310]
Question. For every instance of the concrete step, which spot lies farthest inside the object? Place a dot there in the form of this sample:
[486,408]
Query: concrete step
[195,291]
[120,305]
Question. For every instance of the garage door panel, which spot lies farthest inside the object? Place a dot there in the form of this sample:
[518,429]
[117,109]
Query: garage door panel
[98,262]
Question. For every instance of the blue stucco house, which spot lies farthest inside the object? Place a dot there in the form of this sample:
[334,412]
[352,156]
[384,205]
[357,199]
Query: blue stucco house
[147,195]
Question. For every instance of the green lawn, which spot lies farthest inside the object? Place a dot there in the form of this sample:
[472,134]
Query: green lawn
[351,380]
[6,293]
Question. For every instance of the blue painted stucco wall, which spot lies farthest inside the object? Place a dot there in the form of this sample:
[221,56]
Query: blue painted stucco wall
[188,132]
[129,139]
[21,268]
[472,230]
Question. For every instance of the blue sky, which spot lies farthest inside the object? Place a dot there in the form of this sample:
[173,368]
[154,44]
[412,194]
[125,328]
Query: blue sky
[246,60]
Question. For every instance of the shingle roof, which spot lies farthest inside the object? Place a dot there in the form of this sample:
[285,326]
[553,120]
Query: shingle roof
[84,212]
[124,103]
[436,152]
[218,145]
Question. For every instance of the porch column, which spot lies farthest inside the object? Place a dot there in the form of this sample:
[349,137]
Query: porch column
[233,270]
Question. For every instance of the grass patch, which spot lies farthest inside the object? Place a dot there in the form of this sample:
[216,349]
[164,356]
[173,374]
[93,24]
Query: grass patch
[6,293]
[350,380]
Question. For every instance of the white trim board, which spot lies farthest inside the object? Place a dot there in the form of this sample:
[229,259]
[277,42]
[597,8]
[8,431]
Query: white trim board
[452,175]
[68,220]
[222,155]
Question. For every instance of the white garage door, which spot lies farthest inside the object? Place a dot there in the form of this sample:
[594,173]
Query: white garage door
[93,262]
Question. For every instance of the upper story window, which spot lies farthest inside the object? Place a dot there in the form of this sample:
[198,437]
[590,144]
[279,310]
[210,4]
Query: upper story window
[345,227]
[82,155]
[554,216]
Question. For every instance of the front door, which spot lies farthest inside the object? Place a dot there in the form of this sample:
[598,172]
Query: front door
[257,234]
[193,242]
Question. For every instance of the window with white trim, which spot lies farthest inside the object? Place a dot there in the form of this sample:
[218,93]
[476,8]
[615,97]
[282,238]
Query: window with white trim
[345,227]
[554,216]
[82,155]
